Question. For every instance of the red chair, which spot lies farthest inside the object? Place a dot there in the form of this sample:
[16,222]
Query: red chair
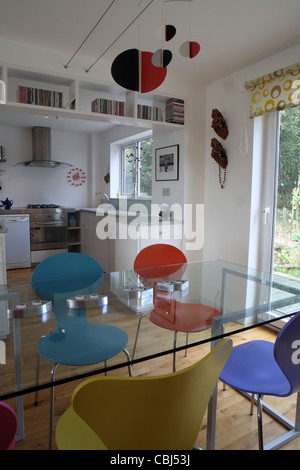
[170,263]
[8,427]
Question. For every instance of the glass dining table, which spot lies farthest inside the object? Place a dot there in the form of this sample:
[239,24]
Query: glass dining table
[207,300]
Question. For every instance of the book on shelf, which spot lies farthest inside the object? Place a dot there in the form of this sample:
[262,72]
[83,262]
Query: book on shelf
[150,112]
[39,97]
[105,106]
[175,111]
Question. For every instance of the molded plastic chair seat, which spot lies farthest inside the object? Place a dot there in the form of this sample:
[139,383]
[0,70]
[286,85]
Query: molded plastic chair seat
[185,317]
[81,343]
[253,367]
[160,412]
[8,427]
[264,368]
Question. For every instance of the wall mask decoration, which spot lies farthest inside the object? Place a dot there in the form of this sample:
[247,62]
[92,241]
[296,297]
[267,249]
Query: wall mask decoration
[219,124]
[218,153]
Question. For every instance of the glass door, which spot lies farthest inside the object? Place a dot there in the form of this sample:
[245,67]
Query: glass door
[286,230]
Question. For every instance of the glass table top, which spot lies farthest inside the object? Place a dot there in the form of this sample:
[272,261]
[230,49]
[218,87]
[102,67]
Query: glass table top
[239,298]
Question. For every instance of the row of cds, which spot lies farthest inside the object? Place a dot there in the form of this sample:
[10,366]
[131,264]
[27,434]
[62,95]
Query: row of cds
[112,107]
[174,110]
[39,97]
[150,112]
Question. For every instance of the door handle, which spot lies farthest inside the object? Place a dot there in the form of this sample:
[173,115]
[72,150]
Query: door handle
[266,211]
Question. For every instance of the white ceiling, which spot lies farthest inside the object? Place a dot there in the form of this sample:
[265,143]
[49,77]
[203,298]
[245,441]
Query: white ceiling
[232,33]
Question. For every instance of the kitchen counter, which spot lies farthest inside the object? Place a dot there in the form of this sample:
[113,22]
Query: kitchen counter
[129,216]
[28,210]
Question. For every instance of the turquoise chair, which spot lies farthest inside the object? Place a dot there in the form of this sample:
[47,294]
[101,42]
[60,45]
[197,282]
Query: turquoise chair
[142,413]
[75,341]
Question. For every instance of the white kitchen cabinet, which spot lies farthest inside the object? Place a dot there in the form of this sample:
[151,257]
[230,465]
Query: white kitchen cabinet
[165,235]
[91,244]
[117,254]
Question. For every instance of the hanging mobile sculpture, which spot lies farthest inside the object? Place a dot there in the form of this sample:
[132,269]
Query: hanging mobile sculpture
[148,70]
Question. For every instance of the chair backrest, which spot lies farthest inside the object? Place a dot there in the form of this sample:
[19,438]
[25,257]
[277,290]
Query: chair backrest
[287,352]
[63,274]
[161,412]
[168,260]
[66,265]
[160,254]
[8,427]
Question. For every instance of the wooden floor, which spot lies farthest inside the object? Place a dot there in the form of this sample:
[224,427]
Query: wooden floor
[236,429]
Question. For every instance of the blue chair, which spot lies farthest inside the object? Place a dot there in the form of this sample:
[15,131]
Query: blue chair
[75,341]
[264,368]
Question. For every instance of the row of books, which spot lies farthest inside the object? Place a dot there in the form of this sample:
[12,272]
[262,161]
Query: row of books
[39,97]
[175,111]
[150,112]
[102,105]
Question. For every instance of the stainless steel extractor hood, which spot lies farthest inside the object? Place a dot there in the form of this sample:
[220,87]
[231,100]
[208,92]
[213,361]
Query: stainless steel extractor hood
[41,150]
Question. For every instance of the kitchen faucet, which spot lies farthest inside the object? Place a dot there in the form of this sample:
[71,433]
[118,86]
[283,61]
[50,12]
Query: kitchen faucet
[105,195]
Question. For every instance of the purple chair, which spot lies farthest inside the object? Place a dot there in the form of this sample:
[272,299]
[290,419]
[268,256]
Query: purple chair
[265,368]
[8,427]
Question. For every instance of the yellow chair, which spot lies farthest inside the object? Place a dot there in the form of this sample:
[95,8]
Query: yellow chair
[161,412]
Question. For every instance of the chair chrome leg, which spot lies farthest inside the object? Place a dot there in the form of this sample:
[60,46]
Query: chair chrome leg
[51,418]
[252,404]
[137,335]
[187,342]
[259,422]
[129,365]
[174,354]
[37,377]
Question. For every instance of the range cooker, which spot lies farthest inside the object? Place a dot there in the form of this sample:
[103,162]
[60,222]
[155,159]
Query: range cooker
[48,227]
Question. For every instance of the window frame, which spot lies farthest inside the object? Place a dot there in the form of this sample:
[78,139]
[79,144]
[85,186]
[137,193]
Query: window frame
[136,143]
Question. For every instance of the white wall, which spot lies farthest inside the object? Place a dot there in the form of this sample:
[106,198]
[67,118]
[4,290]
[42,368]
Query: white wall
[228,211]
[26,185]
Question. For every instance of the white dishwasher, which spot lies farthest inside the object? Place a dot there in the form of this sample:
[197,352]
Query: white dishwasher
[17,240]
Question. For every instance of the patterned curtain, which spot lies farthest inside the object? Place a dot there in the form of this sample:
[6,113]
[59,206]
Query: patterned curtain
[275,91]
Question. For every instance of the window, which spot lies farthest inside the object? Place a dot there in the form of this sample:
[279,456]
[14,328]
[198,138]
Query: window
[286,254]
[137,168]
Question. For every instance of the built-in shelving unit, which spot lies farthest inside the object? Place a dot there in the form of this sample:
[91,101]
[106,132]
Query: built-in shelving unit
[74,232]
[69,99]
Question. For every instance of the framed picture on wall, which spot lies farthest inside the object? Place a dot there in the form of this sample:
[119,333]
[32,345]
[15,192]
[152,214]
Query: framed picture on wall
[167,163]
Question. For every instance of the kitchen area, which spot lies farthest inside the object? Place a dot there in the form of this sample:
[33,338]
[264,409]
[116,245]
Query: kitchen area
[48,206]
[32,183]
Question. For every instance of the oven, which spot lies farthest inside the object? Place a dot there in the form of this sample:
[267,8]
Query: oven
[48,231]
